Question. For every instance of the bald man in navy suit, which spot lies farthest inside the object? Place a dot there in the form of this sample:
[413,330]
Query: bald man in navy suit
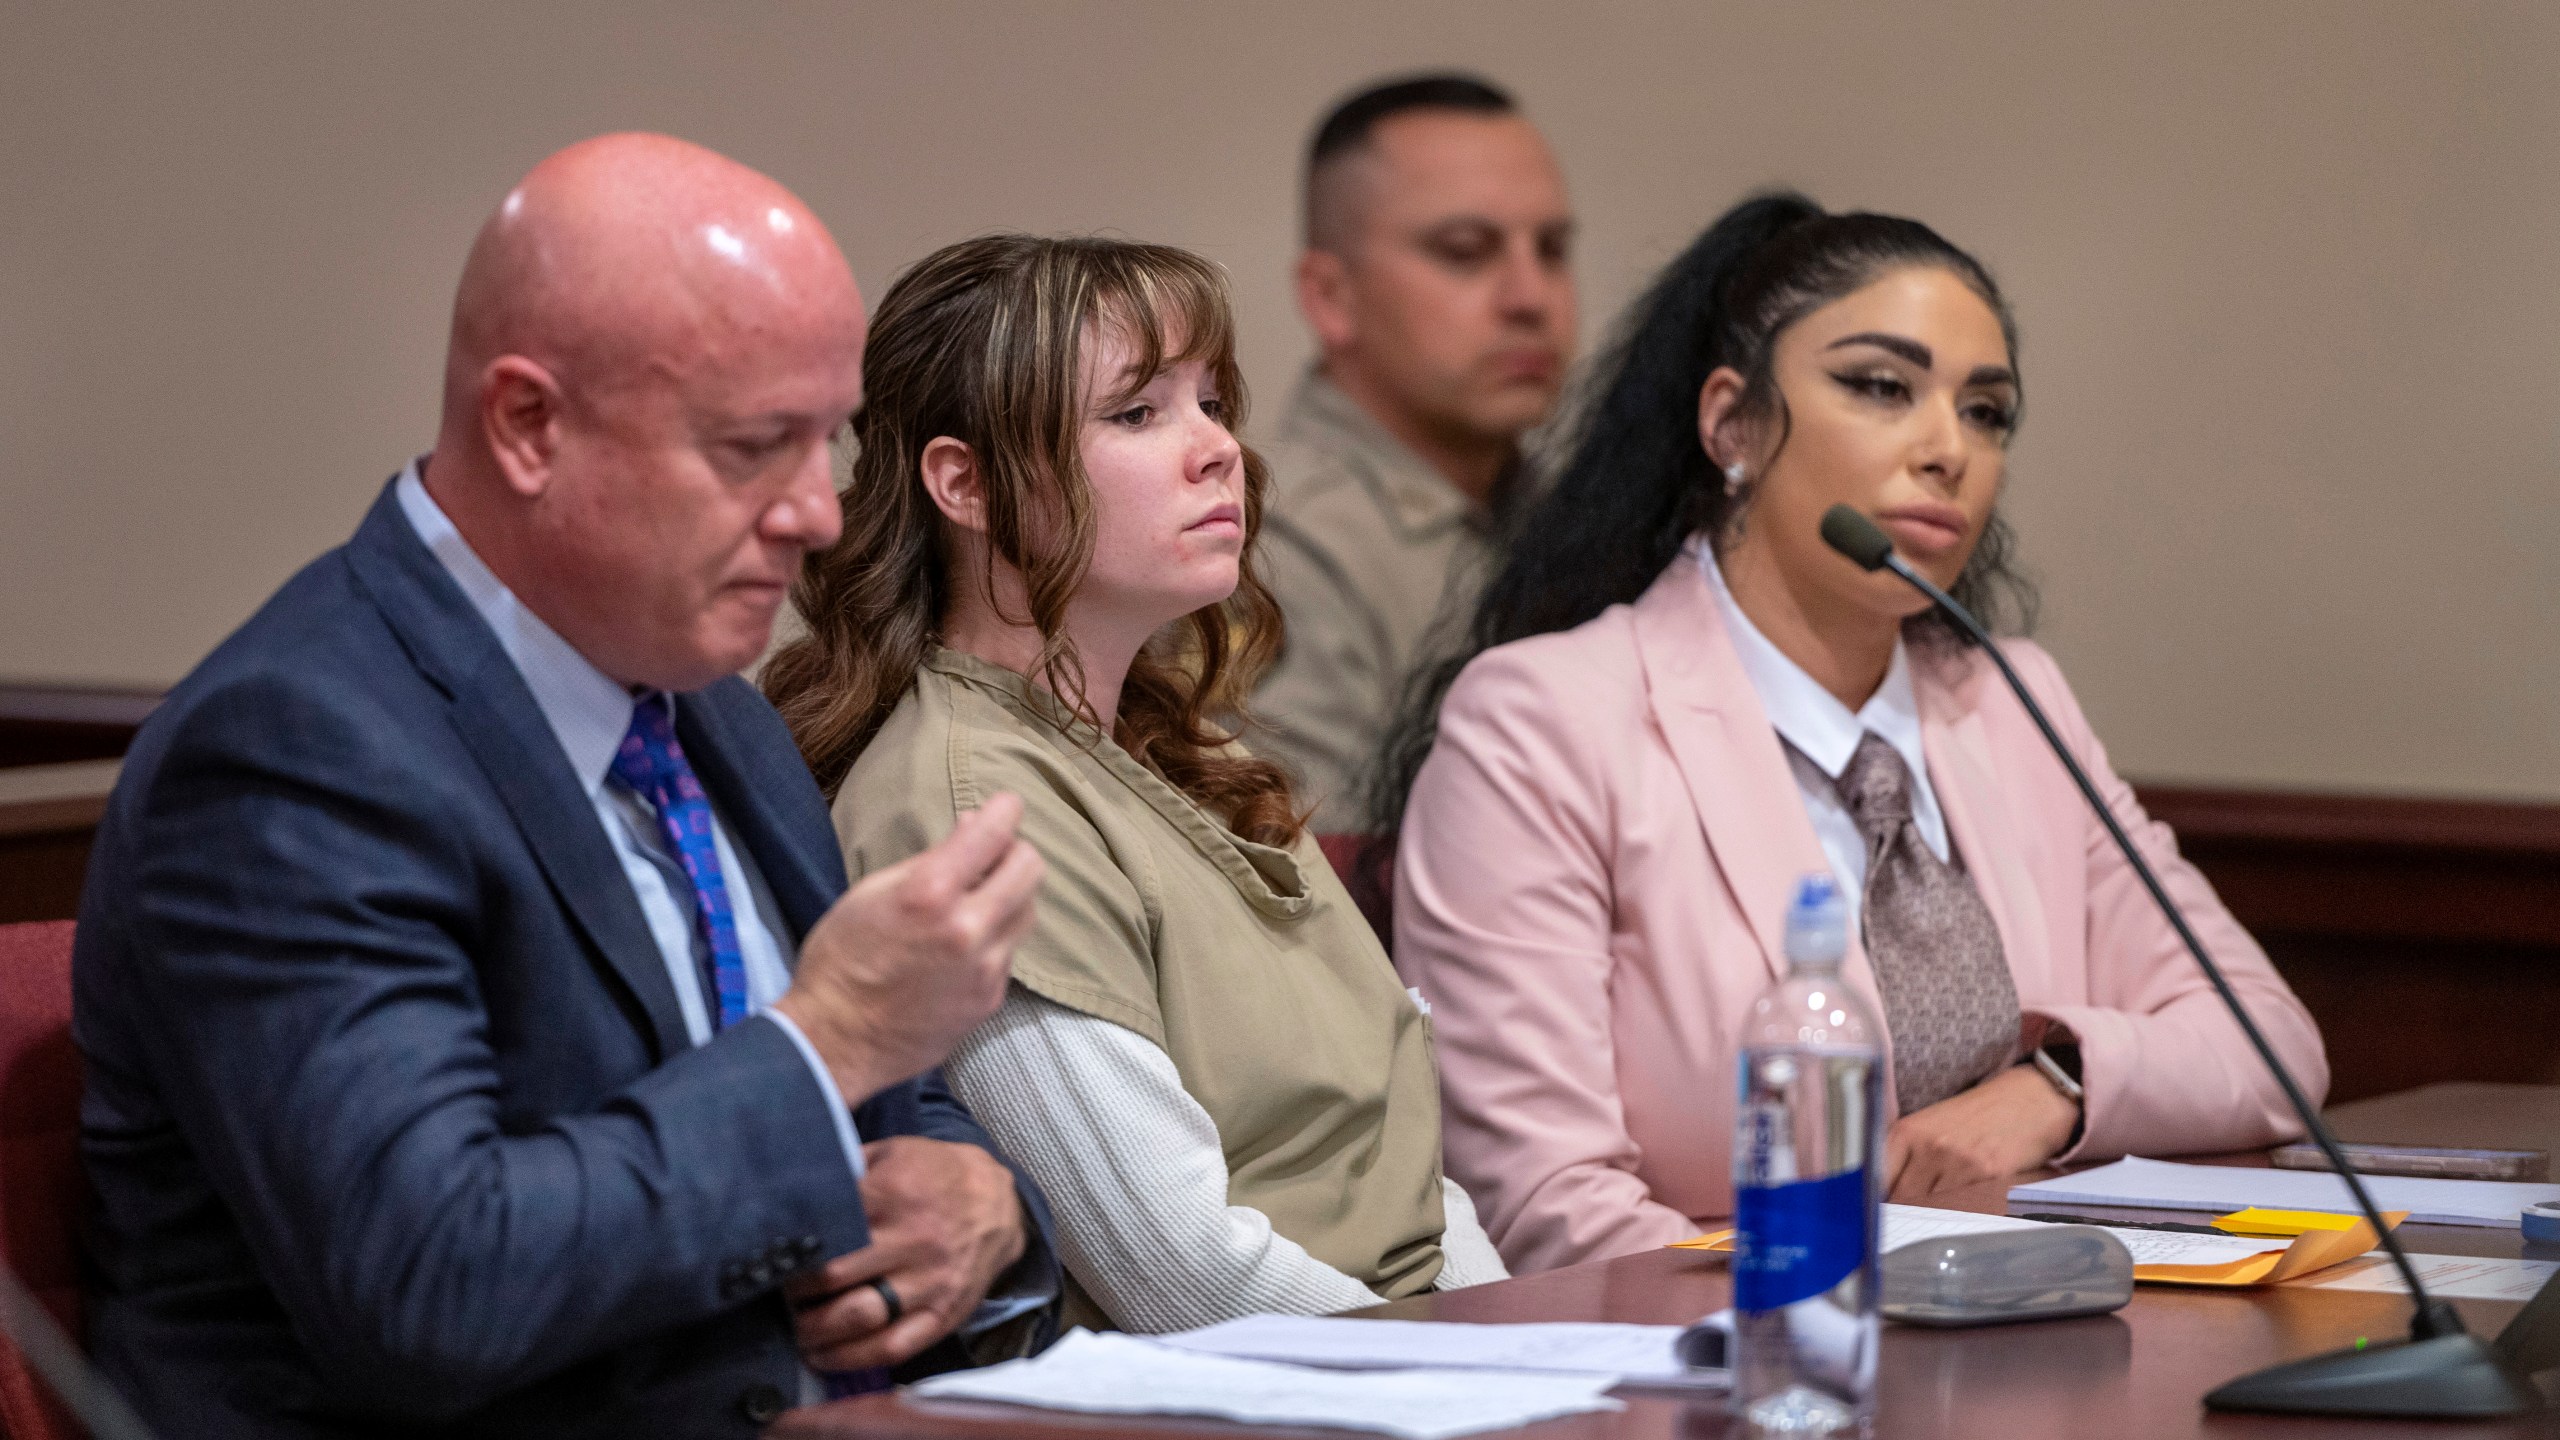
[480,1037]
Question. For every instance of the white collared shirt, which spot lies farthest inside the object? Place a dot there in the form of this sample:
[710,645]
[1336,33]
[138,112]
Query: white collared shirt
[1822,734]
[589,713]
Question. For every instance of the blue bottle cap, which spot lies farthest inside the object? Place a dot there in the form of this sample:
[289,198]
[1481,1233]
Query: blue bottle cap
[1817,921]
[2542,1221]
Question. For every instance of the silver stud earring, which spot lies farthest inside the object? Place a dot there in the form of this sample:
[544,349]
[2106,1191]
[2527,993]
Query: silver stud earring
[1733,478]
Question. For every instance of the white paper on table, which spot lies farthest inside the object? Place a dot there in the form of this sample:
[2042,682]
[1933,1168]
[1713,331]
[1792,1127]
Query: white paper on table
[1904,1224]
[1121,1375]
[2447,1277]
[2161,1185]
[1641,1354]
[2171,1247]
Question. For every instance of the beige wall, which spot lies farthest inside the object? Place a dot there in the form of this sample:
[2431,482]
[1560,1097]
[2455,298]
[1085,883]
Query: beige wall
[2289,274]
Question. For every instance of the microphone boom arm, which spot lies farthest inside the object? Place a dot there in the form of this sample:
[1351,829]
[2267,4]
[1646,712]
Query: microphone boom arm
[2442,1370]
[2433,1317]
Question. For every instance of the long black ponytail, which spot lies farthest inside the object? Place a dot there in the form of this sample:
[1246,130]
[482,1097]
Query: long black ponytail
[1637,483]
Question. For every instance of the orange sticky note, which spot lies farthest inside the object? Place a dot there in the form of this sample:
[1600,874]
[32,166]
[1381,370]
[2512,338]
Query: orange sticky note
[2255,1221]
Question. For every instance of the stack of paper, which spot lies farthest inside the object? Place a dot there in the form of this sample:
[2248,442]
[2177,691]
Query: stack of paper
[2160,1185]
[1122,1375]
[1635,1354]
[1906,1223]
[2177,1257]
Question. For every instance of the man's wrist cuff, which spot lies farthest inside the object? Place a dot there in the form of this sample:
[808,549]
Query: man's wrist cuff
[846,1137]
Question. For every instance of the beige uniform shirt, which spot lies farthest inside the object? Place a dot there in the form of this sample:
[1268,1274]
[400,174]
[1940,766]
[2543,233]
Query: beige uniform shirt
[1246,964]
[1376,561]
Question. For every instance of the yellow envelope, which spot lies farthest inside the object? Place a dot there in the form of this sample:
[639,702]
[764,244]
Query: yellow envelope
[2312,1249]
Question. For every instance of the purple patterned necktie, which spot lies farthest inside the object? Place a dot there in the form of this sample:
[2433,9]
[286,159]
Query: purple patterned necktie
[653,765]
[1950,1005]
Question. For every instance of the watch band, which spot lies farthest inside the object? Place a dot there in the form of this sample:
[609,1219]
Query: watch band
[2061,1079]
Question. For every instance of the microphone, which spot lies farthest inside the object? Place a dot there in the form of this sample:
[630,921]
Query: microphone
[1859,538]
[2441,1370]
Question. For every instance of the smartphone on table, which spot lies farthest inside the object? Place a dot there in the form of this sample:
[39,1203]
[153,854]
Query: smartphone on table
[2434,1162]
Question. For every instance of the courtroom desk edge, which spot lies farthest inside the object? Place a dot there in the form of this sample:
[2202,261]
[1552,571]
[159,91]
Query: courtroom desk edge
[44,799]
[45,724]
[71,816]
[65,780]
[2335,821]
[2373,868]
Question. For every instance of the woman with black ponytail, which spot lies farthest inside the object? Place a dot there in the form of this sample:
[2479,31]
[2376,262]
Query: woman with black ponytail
[1676,700]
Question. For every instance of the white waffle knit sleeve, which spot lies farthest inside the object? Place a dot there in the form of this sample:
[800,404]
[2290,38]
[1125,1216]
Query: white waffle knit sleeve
[1467,1256]
[1135,1176]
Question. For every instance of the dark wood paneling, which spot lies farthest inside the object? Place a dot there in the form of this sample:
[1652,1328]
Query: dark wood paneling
[2398,1013]
[44,852]
[44,842]
[2424,935]
[2302,820]
[52,724]
[2372,867]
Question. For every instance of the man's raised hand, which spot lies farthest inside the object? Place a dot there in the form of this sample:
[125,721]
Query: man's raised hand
[916,955]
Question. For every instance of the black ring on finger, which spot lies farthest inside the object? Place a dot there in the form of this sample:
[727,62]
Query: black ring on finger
[889,1297]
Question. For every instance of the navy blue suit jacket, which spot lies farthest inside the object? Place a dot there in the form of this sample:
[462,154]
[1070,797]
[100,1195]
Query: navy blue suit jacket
[391,1114]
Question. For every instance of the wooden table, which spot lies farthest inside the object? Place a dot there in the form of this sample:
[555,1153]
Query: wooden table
[2140,1372]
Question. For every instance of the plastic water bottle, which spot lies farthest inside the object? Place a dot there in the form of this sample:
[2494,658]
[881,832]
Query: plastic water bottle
[1807,1160]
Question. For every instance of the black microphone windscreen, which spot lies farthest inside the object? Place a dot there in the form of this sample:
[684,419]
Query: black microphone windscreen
[1856,536]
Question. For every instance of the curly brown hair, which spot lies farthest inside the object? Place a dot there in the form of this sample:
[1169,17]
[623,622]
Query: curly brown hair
[983,342]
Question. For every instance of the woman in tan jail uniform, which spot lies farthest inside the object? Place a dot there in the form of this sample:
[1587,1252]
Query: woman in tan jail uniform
[1044,587]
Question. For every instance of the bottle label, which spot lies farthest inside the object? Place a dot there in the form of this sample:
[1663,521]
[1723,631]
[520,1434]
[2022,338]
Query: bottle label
[1793,1242]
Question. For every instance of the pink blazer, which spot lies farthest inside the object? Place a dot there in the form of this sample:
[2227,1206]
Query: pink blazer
[1592,885]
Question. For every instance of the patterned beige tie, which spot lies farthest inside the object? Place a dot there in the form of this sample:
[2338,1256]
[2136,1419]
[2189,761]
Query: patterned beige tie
[1949,1002]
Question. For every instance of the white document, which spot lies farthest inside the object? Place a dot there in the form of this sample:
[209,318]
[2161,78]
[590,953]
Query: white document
[2169,1247]
[1121,1375]
[2158,1184]
[2447,1277]
[1904,1224]
[1638,1353]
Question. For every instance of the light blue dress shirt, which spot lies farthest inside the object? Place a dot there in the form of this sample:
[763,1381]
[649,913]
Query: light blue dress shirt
[589,714]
